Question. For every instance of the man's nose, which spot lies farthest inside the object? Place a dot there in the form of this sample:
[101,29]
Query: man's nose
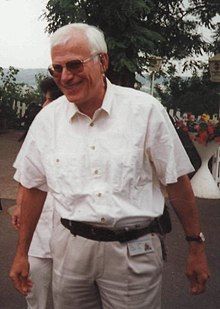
[66,75]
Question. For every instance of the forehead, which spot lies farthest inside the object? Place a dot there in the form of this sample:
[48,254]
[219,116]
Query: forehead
[77,47]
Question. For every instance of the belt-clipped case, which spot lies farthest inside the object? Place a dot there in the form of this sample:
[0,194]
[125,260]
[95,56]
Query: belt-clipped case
[164,221]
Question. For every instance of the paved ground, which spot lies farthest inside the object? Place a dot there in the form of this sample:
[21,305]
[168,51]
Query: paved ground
[9,147]
[175,285]
[9,298]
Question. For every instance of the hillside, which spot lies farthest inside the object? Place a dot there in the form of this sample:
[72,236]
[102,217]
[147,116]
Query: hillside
[27,76]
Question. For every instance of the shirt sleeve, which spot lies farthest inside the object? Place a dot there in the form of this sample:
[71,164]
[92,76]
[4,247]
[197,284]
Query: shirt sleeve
[28,164]
[164,147]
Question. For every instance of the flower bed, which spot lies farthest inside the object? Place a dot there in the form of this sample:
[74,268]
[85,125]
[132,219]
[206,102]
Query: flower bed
[201,129]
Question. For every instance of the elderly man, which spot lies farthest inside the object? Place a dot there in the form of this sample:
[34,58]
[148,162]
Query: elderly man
[103,151]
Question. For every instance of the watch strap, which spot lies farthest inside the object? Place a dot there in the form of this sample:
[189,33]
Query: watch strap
[197,238]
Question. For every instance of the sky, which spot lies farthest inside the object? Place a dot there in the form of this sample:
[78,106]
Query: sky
[23,41]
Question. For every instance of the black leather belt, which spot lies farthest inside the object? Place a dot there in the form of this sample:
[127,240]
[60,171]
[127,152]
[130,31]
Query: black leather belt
[104,234]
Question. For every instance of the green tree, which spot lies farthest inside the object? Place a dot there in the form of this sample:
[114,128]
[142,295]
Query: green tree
[135,29]
[215,48]
[8,94]
[11,93]
[38,79]
[196,94]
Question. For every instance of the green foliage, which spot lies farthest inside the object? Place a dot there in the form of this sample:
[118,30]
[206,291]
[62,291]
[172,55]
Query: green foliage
[196,94]
[215,48]
[38,79]
[10,93]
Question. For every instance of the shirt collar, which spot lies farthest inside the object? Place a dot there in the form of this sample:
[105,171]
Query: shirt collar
[72,109]
[107,101]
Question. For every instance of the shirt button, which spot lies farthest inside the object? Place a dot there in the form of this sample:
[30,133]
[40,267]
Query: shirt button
[99,194]
[102,220]
[91,124]
[92,147]
[96,172]
[57,160]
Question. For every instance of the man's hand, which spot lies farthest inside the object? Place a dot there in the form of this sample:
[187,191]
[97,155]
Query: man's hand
[197,269]
[31,202]
[19,275]
[15,218]
[183,201]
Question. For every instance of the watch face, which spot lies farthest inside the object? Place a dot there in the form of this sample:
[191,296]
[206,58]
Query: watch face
[202,237]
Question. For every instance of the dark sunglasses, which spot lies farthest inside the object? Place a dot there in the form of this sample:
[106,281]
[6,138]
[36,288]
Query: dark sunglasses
[73,66]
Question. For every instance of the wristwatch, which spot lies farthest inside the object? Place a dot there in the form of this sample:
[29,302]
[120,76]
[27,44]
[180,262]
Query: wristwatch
[198,238]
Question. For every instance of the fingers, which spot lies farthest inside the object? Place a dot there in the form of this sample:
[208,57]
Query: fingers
[16,225]
[198,282]
[15,222]
[19,274]
[22,283]
[15,218]
[17,282]
[26,285]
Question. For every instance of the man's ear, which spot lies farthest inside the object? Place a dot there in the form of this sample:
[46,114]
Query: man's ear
[104,60]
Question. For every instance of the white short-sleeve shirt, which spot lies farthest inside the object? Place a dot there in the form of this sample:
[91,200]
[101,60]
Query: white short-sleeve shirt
[108,169]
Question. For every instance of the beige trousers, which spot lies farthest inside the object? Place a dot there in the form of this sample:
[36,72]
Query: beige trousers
[89,274]
[41,276]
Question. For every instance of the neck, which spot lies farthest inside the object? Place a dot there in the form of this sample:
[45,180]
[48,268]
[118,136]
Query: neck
[89,107]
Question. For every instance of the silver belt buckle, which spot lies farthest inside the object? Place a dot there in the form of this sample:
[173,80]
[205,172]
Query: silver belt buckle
[133,223]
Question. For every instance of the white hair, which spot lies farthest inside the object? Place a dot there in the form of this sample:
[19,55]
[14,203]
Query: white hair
[94,35]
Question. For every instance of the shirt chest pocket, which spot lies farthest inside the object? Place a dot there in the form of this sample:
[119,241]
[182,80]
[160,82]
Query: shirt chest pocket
[65,169]
[122,162]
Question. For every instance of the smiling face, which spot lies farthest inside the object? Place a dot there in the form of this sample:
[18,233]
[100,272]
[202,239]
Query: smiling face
[86,89]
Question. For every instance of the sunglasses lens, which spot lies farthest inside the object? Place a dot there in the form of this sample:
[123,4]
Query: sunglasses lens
[57,68]
[74,66]
[51,71]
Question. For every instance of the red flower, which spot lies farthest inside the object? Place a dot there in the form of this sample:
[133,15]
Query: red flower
[202,138]
[202,130]
[210,129]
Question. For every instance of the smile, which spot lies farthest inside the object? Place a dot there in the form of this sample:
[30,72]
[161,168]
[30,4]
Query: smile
[72,86]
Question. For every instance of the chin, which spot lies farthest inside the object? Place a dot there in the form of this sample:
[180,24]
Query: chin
[71,96]
[73,99]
